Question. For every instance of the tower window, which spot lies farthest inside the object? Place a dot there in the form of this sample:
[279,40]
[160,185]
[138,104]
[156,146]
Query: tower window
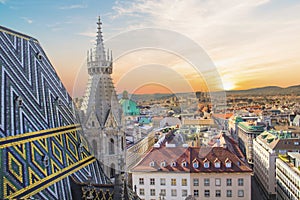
[111,147]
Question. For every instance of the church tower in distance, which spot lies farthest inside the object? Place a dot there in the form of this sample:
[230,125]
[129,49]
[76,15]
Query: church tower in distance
[102,114]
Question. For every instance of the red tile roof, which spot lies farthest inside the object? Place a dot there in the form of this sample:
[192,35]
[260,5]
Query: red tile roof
[190,154]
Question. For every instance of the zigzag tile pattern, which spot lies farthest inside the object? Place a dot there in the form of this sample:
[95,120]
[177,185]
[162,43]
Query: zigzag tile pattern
[41,144]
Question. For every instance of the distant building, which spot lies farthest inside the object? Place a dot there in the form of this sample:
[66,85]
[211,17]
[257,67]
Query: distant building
[129,107]
[169,121]
[202,173]
[296,121]
[266,148]
[247,131]
[288,176]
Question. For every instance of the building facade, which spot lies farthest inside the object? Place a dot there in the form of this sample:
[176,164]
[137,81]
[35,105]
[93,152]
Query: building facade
[101,113]
[267,146]
[246,133]
[198,172]
[288,176]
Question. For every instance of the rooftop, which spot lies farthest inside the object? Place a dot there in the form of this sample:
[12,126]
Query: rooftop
[251,127]
[181,159]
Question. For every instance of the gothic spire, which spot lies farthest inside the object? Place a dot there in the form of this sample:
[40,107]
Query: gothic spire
[99,41]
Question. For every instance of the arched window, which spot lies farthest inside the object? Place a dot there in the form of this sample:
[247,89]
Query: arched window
[94,143]
[111,146]
[112,170]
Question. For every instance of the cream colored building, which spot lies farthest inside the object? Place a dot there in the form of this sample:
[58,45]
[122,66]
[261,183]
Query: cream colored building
[267,146]
[173,173]
[288,177]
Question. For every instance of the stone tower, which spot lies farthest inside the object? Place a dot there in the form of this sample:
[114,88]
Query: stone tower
[102,114]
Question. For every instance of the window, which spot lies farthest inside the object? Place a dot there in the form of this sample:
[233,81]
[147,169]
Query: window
[184,193]
[228,164]
[184,182]
[218,193]
[196,182]
[184,164]
[142,191]
[152,181]
[173,164]
[240,193]
[196,193]
[19,101]
[112,170]
[162,192]
[228,182]
[206,165]
[141,181]
[206,193]
[173,193]
[162,181]
[195,165]
[217,164]
[46,161]
[152,192]
[163,164]
[111,146]
[240,182]
[173,182]
[229,193]
[152,164]
[218,182]
[206,182]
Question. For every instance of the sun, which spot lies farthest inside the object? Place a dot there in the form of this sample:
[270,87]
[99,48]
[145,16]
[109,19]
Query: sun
[228,85]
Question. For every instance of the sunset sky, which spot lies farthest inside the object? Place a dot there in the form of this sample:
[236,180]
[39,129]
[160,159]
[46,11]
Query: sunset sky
[252,43]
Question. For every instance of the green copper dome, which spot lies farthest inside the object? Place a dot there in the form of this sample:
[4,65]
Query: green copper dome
[129,107]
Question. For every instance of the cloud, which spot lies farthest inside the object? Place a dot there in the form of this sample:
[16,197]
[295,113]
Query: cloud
[28,20]
[74,6]
[2,1]
[236,34]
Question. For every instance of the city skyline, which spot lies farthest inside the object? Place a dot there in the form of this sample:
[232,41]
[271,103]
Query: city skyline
[251,43]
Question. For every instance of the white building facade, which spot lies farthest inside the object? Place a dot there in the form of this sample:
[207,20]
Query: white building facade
[174,173]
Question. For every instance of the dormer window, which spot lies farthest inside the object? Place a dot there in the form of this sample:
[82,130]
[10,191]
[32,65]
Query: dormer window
[174,164]
[206,163]
[152,164]
[227,163]
[184,164]
[39,56]
[46,161]
[80,148]
[19,101]
[217,163]
[195,164]
[163,164]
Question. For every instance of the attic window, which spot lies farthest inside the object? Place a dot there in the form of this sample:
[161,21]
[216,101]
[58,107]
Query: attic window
[80,148]
[184,164]
[39,56]
[228,163]
[46,161]
[217,163]
[195,164]
[152,164]
[58,101]
[163,164]
[19,101]
[173,164]
[206,163]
